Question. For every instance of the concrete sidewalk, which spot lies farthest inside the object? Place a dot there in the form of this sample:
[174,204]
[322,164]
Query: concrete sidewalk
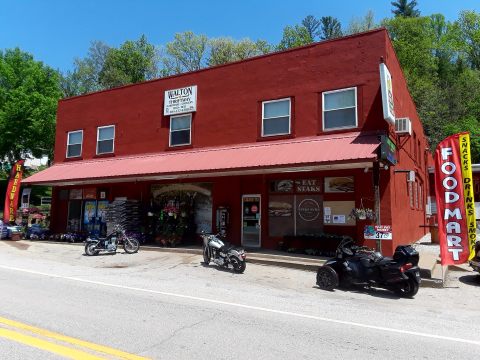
[430,270]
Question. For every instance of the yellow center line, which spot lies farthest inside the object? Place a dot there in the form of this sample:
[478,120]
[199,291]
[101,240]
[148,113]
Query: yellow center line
[48,346]
[85,344]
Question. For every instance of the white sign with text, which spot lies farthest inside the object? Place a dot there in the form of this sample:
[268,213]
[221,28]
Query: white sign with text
[180,101]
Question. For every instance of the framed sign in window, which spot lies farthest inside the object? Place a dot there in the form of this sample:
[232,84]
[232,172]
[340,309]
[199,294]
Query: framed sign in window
[339,184]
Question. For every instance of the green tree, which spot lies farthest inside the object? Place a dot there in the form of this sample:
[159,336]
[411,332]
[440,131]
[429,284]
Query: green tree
[405,8]
[85,77]
[294,36]
[361,24]
[133,62]
[330,28]
[312,24]
[225,50]
[187,52]
[29,91]
[468,32]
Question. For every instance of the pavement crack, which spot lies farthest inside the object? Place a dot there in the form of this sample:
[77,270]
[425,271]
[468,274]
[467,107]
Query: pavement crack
[186,327]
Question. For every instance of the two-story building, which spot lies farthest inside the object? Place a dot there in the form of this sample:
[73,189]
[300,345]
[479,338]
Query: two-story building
[286,144]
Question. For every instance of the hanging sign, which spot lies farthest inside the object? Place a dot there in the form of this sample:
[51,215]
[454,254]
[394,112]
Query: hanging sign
[179,101]
[387,94]
[454,195]
[13,189]
[388,150]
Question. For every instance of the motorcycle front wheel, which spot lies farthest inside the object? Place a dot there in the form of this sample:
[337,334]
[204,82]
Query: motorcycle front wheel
[408,288]
[327,278]
[238,265]
[91,249]
[130,245]
[206,255]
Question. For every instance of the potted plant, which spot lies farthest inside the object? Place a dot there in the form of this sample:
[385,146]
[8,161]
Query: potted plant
[362,214]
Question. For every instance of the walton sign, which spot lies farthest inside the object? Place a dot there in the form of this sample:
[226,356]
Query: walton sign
[180,101]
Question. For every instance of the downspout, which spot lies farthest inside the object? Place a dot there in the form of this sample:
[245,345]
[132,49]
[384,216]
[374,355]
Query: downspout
[376,195]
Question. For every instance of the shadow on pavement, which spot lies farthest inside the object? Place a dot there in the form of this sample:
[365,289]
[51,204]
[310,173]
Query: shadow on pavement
[219,268]
[375,292]
[473,279]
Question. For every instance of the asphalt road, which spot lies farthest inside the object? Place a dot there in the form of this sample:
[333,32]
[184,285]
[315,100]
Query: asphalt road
[56,303]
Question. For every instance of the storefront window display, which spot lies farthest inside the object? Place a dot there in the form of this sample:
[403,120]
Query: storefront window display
[180,211]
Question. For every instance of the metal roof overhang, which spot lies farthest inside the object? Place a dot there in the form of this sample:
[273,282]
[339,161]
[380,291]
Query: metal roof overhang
[326,152]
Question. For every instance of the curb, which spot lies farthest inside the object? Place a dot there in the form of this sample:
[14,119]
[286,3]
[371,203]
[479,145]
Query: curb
[305,264]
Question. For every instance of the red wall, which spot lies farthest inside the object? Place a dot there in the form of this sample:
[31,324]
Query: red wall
[409,224]
[229,112]
[230,96]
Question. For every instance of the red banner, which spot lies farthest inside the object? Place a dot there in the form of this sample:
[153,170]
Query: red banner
[454,195]
[13,189]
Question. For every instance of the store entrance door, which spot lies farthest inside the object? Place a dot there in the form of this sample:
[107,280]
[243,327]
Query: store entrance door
[251,220]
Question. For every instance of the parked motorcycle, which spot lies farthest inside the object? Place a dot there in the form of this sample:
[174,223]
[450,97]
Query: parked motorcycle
[475,262]
[111,242]
[354,265]
[223,254]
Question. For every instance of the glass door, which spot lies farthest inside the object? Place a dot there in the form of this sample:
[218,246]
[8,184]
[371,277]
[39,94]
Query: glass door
[251,220]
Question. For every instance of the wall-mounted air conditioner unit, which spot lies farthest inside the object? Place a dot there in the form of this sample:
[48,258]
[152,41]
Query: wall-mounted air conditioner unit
[403,126]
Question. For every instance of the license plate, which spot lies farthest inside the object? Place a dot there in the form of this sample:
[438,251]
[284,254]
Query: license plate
[417,274]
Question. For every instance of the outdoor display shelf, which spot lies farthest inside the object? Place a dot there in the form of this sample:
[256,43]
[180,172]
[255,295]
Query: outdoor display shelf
[124,213]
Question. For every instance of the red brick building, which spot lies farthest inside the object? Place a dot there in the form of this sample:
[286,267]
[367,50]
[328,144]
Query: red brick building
[289,143]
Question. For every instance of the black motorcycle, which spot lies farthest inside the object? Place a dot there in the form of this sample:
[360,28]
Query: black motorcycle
[223,254]
[475,262]
[354,265]
[110,243]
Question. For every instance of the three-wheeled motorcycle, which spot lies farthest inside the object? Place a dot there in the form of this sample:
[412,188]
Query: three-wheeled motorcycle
[354,265]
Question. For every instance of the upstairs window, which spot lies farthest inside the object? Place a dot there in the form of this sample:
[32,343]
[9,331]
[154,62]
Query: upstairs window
[105,139]
[180,130]
[276,117]
[340,109]
[74,143]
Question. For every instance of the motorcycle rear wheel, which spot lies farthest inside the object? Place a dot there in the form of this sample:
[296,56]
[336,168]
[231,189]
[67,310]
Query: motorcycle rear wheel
[408,288]
[130,245]
[238,265]
[206,255]
[91,249]
[327,278]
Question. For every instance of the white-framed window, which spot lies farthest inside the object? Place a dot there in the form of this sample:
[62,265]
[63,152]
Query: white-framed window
[74,143]
[340,109]
[105,139]
[276,117]
[180,130]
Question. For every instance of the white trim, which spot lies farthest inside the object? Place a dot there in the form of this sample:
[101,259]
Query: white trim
[349,107]
[259,220]
[170,130]
[68,139]
[276,117]
[113,143]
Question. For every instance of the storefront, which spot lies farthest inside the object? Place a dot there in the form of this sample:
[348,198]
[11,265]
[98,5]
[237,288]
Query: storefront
[287,150]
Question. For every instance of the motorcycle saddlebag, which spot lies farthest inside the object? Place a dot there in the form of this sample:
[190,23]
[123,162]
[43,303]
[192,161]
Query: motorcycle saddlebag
[406,253]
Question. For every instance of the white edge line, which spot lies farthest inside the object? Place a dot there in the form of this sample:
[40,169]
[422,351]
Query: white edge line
[250,307]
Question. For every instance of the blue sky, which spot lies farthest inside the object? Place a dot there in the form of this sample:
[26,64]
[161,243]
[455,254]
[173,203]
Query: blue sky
[57,31]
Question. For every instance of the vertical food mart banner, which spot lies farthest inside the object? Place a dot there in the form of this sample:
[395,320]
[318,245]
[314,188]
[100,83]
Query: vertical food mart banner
[455,203]
[13,190]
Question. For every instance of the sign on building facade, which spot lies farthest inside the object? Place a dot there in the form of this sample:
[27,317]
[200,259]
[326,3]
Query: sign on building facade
[180,101]
[387,94]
